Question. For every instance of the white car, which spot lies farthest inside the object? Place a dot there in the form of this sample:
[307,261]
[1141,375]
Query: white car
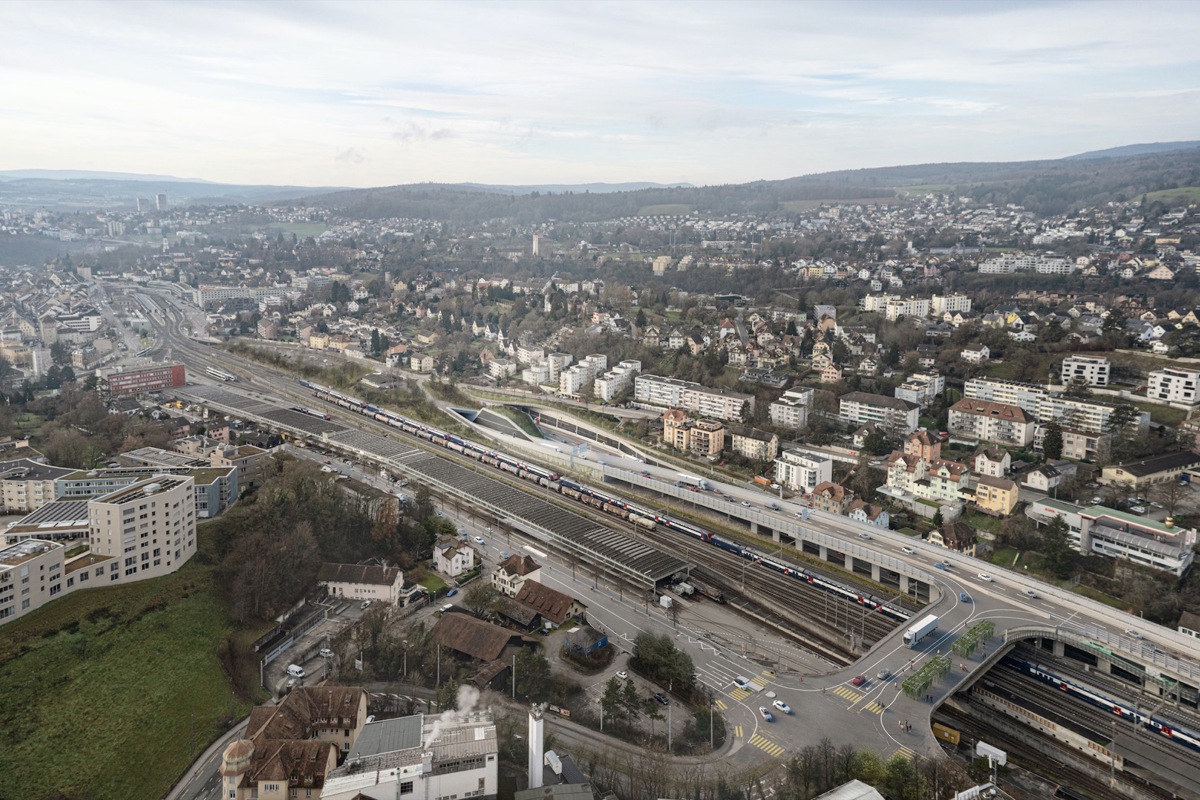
[865,536]
[782,706]
[1132,634]
[622,674]
[478,540]
[983,576]
[766,715]
[326,652]
[910,551]
[746,503]
[1031,594]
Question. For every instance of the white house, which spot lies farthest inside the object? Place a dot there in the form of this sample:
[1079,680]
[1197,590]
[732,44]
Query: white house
[452,558]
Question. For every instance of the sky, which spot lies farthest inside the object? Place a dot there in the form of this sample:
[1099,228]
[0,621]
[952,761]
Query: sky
[381,93]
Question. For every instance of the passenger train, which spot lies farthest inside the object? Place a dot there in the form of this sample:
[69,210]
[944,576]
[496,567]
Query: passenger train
[608,503]
[1121,708]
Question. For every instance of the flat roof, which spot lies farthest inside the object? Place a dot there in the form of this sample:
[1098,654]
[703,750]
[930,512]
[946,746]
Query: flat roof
[139,489]
[1151,526]
[388,736]
[53,516]
[19,553]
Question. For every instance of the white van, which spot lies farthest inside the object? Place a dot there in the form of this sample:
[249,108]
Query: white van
[295,671]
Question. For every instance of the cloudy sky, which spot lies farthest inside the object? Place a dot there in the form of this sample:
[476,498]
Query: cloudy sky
[362,93]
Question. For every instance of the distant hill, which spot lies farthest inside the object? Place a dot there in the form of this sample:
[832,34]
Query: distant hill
[570,188]
[1047,187]
[67,193]
[1136,150]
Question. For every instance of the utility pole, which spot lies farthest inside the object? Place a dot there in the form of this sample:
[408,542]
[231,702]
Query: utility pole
[514,681]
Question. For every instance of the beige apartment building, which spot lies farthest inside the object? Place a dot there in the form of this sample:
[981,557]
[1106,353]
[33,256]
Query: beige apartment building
[148,529]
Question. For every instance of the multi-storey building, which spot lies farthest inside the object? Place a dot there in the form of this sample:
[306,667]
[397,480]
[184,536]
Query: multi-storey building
[803,470]
[148,529]
[28,485]
[890,413]
[950,303]
[907,307]
[612,383]
[986,421]
[572,382]
[216,488]
[657,391]
[1098,530]
[791,410]
[1091,370]
[1174,385]
[918,472]
[753,444]
[154,379]
[831,497]
[702,437]
[997,496]
[921,388]
[1014,393]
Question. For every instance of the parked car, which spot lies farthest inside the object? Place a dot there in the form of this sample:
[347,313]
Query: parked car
[858,680]
[326,652]
[1138,509]
[622,674]
[884,674]
[782,706]
[662,699]
[365,605]
[766,715]
[451,593]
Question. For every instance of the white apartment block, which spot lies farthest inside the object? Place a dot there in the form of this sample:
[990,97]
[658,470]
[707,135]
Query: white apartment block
[952,303]
[802,470]
[921,388]
[1174,385]
[889,412]
[991,422]
[908,307]
[877,302]
[149,528]
[572,382]
[1086,416]
[142,531]
[1013,393]
[530,354]
[660,392]
[791,410]
[616,380]
[1092,370]
[1020,262]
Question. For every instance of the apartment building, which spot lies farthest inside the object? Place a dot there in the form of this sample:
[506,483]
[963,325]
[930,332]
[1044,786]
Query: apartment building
[949,303]
[659,392]
[1174,385]
[572,382]
[31,574]
[702,437]
[753,444]
[996,496]
[148,529]
[216,488]
[907,307]
[154,379]
[1091,370]
[250,461]
[452,558]
[618,379]
[983,420]
[803,470]
[28,485]
[921,388]
[891,413]
[1013,393]
[831,497]
[791,410]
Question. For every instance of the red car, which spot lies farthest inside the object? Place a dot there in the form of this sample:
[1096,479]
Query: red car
[859,680]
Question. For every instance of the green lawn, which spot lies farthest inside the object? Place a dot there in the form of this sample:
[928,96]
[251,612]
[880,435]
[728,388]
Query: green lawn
[101,689]
[301,229]
[1099,596]
[1181,196]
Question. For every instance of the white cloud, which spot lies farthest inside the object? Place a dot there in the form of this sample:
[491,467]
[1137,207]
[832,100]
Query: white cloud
[541,92]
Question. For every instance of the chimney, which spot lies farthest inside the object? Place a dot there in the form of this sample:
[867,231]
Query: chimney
[536,743]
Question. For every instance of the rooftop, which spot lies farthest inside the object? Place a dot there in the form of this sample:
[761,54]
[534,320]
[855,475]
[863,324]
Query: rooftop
[57,515]
[140,489]
[17,554]
[1163,463]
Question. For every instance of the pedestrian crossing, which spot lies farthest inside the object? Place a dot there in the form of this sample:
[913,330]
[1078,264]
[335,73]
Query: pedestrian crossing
[739,694]
[766,745]
[720,704]
[903,752]
[738,731]
[848,693]
[873,708]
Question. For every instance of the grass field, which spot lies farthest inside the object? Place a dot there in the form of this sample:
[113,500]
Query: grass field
[100,689]
[301,229]
[1182,195]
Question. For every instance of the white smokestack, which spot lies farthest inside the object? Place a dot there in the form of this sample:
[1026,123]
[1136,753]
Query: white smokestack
[536,744]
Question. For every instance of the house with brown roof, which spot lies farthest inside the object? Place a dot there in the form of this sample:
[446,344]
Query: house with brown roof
[289,749]
[957,536]
[996,496]
[474,638]
[512,572]
[862,511]
[365,582]
[552,606]
[831,497]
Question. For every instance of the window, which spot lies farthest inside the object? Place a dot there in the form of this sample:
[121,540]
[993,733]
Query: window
[406,787]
